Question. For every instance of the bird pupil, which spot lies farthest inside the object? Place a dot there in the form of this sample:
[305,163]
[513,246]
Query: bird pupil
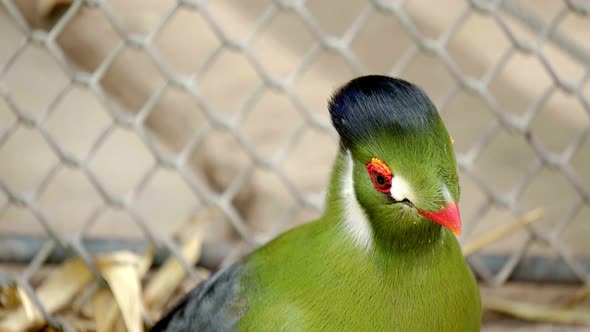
[380,179]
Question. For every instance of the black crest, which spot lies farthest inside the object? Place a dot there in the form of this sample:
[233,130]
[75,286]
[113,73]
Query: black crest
[372,104]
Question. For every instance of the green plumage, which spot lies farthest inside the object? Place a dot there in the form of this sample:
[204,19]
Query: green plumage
[408,275]
[314,278]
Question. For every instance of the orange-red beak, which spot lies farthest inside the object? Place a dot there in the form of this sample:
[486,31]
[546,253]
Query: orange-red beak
[449,217]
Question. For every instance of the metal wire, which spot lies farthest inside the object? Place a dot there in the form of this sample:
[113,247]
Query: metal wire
[498,11]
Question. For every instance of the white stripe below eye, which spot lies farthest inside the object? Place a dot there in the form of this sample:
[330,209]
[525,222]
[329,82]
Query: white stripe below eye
[401,189]
[446,194]
[355,220]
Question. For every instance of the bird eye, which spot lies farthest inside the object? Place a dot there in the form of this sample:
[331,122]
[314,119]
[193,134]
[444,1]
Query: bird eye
[380,175]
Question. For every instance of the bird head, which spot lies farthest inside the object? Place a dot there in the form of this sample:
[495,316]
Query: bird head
[402,164]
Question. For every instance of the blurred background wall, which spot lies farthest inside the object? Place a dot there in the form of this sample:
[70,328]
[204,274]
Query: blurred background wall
[123,119]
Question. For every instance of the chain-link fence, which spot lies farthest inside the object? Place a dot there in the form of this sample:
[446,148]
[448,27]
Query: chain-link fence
[120,120]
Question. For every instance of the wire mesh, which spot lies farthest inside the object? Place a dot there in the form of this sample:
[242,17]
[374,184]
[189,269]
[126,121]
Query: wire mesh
[494,197]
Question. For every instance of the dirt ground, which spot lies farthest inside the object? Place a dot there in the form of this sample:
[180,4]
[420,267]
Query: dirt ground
[531,293]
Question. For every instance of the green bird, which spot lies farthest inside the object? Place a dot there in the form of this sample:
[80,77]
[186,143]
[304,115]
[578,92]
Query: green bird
[383,257]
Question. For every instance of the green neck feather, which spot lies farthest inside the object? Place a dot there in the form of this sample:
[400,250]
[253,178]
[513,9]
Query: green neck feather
[318,278]
[396,231]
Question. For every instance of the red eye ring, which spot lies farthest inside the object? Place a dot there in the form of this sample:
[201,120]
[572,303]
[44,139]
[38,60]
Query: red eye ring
[380,175]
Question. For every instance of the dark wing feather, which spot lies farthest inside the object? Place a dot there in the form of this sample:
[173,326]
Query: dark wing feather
[212,306]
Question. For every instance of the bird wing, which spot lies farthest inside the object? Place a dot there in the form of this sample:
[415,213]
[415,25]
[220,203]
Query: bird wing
[212,306]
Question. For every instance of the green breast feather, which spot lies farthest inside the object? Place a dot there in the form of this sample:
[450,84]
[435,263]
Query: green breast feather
[383,257]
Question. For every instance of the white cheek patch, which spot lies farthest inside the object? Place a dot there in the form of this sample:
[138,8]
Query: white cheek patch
[401,189]
[355,220]
[446,194]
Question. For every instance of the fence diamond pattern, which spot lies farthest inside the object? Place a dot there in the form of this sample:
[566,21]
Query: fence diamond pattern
[347,47]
